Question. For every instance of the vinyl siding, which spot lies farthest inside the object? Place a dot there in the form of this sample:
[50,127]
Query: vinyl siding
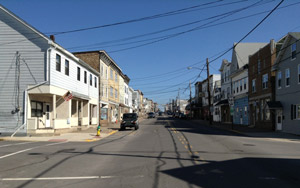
[14,37]
[70,82]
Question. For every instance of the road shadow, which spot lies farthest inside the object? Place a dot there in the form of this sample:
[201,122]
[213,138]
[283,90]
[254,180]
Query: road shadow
[242,173]
[203,127]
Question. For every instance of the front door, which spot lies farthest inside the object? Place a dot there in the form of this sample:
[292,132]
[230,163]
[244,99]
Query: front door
[278,120]
[47,115]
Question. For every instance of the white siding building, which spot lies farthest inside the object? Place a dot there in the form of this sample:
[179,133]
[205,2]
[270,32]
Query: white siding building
[48,76]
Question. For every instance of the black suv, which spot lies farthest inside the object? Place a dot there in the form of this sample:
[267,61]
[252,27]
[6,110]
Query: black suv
[130,120]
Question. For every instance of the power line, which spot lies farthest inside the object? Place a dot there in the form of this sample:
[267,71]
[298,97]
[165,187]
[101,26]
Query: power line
[249,31]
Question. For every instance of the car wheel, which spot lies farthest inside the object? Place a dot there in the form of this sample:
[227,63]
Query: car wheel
[136,127]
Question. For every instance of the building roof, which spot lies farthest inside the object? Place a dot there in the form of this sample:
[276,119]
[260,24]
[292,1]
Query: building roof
[50,42]
[241,52]
[224,62]
[286,40]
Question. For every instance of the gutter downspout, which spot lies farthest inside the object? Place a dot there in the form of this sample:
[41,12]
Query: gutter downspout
[25,106]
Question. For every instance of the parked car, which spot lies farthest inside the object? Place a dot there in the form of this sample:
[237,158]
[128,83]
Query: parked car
[151,115]
[130,120]
[160,113]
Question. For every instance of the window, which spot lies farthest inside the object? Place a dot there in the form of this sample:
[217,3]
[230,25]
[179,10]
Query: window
[36,109]
[116,93]
[106,74]
[287,77]
[237,87]
[258,66]
[116,77]
[111,91]
[246,110]
[101,70]
[111,74]
[265,81]
[58,62]
[101,89]
[294,48]
[253,85]
[95,82]
[241,85]
[298,111]
[91,80]
[245,83]
[279,79]
[67,67]
[299,74]
[261,110]
[85,77]
[78,73]
[267,111]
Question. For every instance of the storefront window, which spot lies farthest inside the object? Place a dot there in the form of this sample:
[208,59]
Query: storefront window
[103,113]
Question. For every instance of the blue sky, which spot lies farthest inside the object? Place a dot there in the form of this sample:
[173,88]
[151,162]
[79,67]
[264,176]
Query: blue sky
[158,69]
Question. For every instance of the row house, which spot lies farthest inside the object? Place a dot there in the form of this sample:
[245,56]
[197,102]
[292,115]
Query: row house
[262,86]
[124,93]
[130,99]
[197,107]
[205,102]
[287,87]
[223,104]
[44,88]
[110,76]
[216,100]
[239,80]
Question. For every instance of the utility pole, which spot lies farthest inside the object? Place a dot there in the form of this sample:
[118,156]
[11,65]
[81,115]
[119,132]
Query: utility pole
[179,99]
[208,90]
[190,101]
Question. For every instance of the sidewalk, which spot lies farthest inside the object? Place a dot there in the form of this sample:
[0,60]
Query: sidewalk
[87,135]
[252,132]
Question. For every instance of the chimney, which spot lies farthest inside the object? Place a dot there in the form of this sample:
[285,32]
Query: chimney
[52,37]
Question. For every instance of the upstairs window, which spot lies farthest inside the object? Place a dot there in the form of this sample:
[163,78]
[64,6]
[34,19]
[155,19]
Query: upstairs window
[95,81]
[287,77]
[67,67]
[279,79]
[91,80]
[111,74]
[245,83]
[294,49]
[101,70]
[299,74]
[116,93]
[241,85]
[58,62]
[111,91]
[78,73]
[253,85]
[116,77]
[265,81]
[258,66]
[85,77]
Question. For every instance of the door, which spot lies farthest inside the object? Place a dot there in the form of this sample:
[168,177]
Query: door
[47,115]
[79,113]
[278,120]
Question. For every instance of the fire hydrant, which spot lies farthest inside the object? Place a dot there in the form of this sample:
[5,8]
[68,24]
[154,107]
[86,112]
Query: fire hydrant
[98,130]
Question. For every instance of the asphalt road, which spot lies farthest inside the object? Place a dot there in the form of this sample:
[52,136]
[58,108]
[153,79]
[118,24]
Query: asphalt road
[164,152]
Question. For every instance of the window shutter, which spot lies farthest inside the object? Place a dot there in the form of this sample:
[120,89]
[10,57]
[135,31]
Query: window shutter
[292,112]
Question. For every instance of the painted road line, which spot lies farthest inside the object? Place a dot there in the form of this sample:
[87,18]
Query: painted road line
[22,151]
[15,144]
[66,178]
[113,132]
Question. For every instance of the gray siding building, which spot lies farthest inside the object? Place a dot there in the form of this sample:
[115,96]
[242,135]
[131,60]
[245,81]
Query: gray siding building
[287,67]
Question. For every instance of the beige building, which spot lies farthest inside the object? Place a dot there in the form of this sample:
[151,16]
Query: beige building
[109,92]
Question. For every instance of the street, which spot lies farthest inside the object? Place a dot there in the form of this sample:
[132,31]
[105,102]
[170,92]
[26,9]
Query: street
[164,152]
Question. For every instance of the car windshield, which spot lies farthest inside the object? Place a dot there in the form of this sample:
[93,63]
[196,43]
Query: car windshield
[129,116]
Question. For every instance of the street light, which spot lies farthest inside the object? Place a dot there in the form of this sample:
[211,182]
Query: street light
[189,68]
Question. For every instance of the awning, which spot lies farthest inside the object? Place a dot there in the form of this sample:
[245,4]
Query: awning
[274,105]
[80,96]
[222,102]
